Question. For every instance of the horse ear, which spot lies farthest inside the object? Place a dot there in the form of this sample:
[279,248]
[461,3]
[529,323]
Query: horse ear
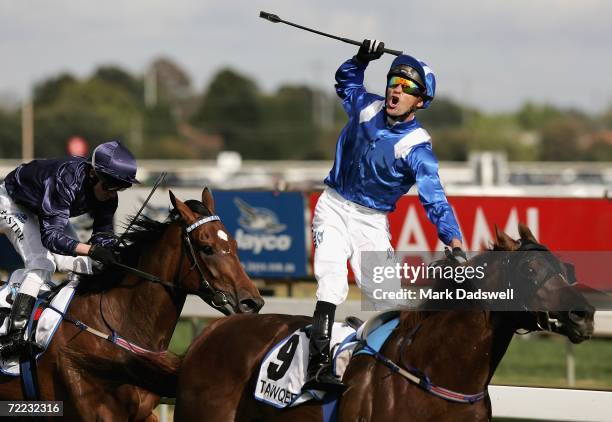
[526,233]
[504,241]
[208,200]
[186,214]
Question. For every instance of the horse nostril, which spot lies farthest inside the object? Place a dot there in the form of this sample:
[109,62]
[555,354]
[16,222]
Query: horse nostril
[251,305]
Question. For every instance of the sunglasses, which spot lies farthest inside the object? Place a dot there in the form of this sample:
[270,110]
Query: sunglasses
[408,86]
[110,184]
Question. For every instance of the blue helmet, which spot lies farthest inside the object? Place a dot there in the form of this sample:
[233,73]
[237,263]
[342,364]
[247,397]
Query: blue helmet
[417,71]
[114,164]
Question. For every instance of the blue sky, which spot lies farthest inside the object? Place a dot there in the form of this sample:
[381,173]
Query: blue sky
[493,54]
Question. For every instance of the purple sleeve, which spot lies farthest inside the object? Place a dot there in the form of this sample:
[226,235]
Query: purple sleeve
[103,231]
[55,214]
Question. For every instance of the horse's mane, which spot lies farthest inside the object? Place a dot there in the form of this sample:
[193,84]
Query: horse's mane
[143,233]
[409,319]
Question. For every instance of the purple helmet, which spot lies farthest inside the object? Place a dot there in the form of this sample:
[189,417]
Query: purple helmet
[114,165]
[410,68]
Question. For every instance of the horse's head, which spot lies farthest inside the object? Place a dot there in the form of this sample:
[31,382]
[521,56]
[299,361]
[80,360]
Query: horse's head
[217,274]
[545,288]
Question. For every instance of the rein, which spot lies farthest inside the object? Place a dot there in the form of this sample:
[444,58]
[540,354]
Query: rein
[214,297]
[420,379]
[417,377]
[113,337]
[547,323]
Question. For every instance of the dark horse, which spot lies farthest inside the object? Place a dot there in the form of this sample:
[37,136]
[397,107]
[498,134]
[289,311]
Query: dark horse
[96,379]
[458,350]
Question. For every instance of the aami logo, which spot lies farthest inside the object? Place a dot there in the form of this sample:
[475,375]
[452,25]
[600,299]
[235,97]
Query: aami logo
[412,236]
[259,229]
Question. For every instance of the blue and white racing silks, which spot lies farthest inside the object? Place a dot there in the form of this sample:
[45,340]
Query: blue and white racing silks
[376,164]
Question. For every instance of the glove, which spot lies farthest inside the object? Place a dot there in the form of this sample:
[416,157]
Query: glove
[370,50]
[105,256]
[457,255]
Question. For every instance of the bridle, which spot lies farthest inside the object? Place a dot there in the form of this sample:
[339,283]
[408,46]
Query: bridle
[515,261]
[216,298]
[544,321]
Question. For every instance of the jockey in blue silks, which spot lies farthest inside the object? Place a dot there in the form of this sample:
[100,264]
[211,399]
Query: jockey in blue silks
[381,153]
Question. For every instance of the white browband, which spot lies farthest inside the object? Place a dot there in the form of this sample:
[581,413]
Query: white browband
[201,221]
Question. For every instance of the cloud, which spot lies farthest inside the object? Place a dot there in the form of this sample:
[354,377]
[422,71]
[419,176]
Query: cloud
[494,53]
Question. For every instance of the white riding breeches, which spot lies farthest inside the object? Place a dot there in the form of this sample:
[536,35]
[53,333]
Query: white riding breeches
[343,230]
[21,227]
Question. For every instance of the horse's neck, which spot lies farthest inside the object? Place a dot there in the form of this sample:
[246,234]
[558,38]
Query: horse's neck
[503,331]
[141,311]
[501,324]
[458,349]
[452,348]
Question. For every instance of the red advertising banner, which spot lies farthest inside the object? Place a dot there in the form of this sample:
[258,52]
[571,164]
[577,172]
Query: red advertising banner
[562,224]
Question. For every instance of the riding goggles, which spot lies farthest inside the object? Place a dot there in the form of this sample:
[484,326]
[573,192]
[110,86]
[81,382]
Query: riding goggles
[408,86]
[112,184]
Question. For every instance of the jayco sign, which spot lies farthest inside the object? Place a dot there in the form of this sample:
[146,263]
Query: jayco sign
[269,229]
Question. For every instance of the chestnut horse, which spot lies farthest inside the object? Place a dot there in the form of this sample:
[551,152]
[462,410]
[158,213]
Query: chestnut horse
[458,350]
[97,380]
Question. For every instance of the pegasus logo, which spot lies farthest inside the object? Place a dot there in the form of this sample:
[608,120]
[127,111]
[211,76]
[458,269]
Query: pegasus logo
[260,229]
[258,220]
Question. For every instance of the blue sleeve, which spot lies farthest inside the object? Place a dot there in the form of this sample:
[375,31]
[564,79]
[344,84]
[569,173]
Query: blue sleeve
[55,214]
[424,166]
[103,231]
[349,86]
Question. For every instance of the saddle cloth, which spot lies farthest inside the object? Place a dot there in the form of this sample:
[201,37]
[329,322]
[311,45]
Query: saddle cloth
[283,370]
[47,322]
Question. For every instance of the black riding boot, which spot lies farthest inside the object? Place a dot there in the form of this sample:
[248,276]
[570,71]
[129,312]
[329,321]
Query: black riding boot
[319,375]
[14,343]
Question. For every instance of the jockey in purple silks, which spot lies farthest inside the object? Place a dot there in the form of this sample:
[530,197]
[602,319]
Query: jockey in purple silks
[36,201]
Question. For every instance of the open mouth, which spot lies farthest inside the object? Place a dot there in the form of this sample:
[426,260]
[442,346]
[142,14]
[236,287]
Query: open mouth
[393,101]
[575,333]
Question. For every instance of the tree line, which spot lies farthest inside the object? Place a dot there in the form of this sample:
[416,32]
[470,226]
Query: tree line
[160,115]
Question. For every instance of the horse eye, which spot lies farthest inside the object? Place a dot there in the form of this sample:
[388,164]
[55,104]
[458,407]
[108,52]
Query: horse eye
[207,249]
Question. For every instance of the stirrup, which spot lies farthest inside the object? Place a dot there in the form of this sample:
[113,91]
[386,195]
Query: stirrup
[324,380]
[13,345]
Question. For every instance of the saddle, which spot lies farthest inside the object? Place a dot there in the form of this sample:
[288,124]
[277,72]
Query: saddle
[283,370]
[52,302]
